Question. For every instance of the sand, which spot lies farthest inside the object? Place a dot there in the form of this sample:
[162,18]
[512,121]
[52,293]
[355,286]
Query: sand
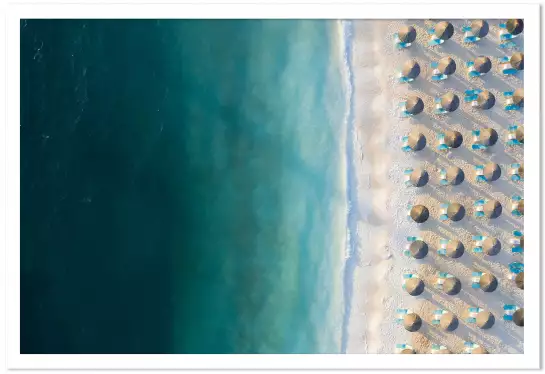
[383,197]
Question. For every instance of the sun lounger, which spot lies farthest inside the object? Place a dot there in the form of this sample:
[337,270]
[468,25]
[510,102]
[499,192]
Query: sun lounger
[508,311]
[514,171]
[478,245]
[399,44]
[442,250]
[512,136]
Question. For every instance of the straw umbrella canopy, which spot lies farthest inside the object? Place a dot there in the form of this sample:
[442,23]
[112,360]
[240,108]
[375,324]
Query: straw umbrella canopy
[482,64]
[518,317]
[521,167]
[479,28]
[519,134]
[518,97]
[447,65]
[492,171]
[517,60]
[407,351]
[488,282]
[407,34]
[455,248]
[444,30]
[485,319]
[453,139]
[411,69]
[448,321]
[456,212]
[522,241]
[491,246]
[418,249]
[414,286]
[455,175]
[452,286]
[521,207]
[479,350]
[419,213]
[492,209]
[414,104]
[488,136]
[419,177]
[486,99]
[417,141]
[450,102]
[412,322]
[519,280]
[515,26]
[443,351]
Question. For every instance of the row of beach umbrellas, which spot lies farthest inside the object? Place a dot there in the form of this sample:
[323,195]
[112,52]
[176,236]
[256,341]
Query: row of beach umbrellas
[444,30]
[454,139]
[454,176]
[456,211]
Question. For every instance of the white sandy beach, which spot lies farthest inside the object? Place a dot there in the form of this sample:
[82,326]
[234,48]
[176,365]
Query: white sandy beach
[383,197]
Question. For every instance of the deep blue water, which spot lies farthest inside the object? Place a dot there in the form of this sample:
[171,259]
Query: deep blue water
[182,186]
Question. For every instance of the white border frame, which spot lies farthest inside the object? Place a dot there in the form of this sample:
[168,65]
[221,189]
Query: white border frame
[531,15]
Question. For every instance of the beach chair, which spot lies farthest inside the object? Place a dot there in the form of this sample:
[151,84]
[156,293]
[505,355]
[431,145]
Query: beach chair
[436,348]
[403,110]
[400,315]
[515,200]
[442,250]
[471,96]
[442,146]
[434,40]
[505,66]
[479,173]
[406,277]
[508,311]
[514,269]
[512,136]
[399,44]
[509,104]
[471,72]
[478,243]
[472,313]
[515,242]
[477,145]
[443,181]
[505,35]
[508,44]
[443,212]
[514,173]
[438,107]
[469,37]
[436,75]
[479,208]
[406,147]
[437,314]
[402,346]
[407,176]
[475,279]
[469,347]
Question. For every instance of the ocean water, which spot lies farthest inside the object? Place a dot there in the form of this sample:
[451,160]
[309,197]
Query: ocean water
[183,186]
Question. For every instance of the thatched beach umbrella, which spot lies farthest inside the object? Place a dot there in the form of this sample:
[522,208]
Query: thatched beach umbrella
[411,69]
[517,60]
[492,171]
[485,319]
[453,139]
[492,209]
[443,351]
[522,241]
[450,102]
[456,212]
[414,286]
[417,141]
[491,246]
[519,134]
[482,64]
[414,105]
[412,322]
[518,97]
[521,207]
[518,317]
[407,351]
[419,213]
[448,321]
[444,30]
[452,286]
[407,34]
[519,280]
[486,99]
[488,282]
[479,351]
[418,249]
[515,26]
[488,136]
[419,177]
[521,167]
[447,65]
[455,248]
[455,175]
[479,28]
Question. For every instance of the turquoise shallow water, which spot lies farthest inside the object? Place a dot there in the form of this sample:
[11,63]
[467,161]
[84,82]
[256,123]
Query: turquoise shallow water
[182,187]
